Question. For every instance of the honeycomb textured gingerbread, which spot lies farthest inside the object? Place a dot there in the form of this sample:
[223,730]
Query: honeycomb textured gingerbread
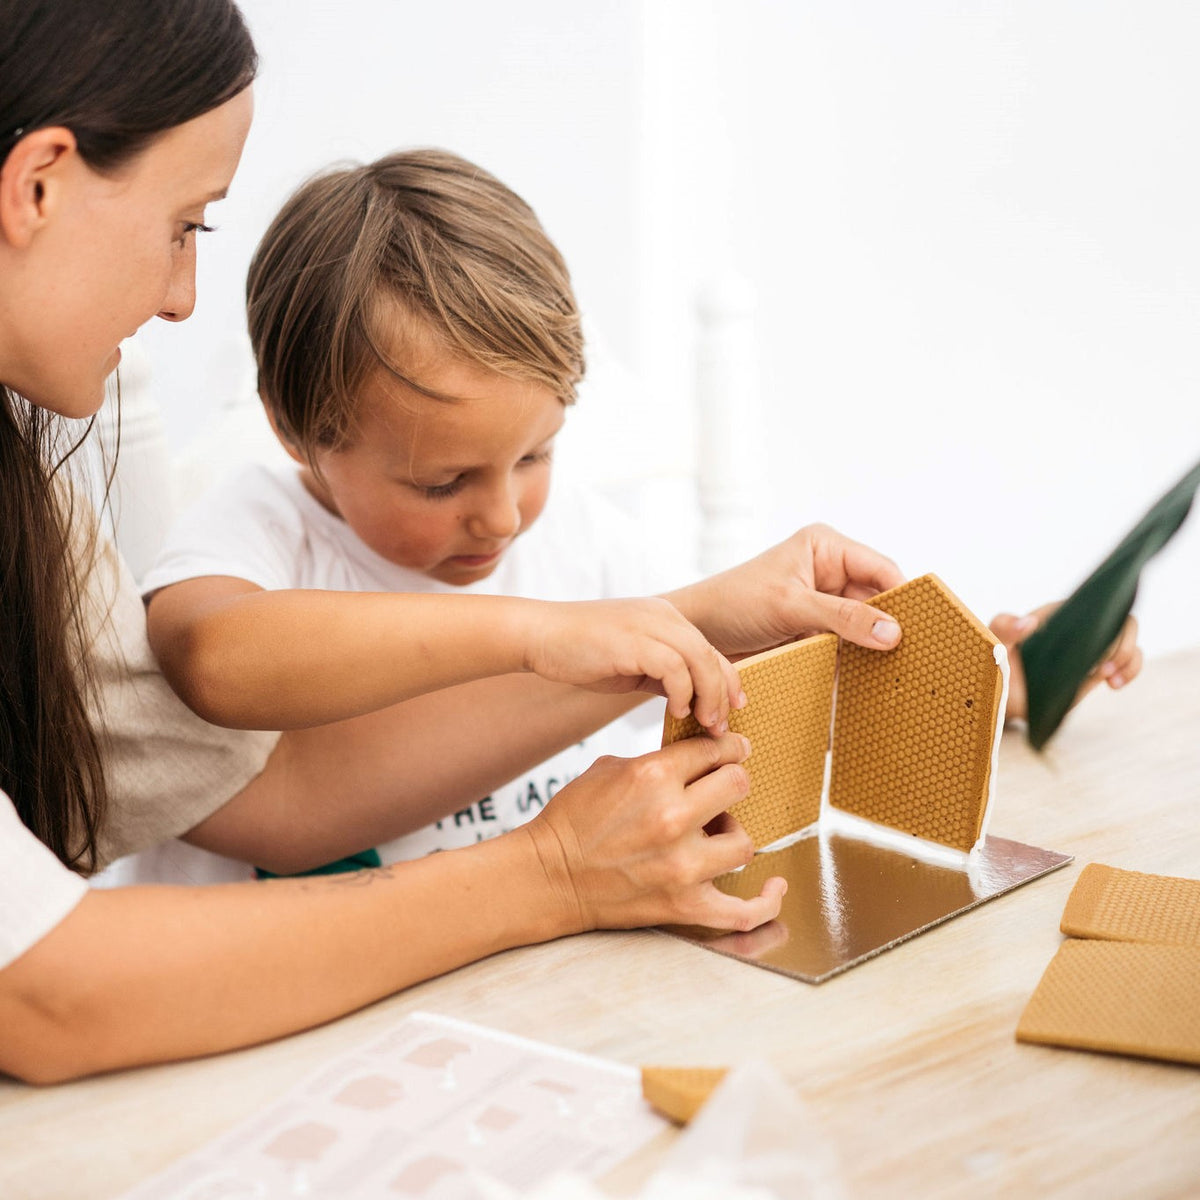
[1129,906]
[1119,997]
[915,726]
[789,698]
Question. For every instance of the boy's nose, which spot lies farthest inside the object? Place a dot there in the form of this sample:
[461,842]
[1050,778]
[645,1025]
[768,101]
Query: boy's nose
[498,516]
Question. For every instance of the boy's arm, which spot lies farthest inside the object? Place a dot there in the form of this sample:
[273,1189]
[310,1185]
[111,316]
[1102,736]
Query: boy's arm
[814,581]
[139,975]
[247,658]
[331,791]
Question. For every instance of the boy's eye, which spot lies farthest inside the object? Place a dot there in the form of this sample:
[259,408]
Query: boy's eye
[441,491]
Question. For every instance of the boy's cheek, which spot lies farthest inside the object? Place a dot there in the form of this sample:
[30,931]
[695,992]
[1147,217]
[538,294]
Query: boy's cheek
[534,502]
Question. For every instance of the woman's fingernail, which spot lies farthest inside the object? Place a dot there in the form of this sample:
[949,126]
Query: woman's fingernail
[1108,670]
[746,747]
[887,633]
[1116,681]
[721,727]
[1027,624]
[741,700]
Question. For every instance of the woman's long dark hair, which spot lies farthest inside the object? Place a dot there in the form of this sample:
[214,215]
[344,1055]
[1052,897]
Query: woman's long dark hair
[116,73]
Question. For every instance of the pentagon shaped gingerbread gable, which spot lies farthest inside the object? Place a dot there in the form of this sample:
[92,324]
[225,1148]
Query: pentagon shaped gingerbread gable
[917,728]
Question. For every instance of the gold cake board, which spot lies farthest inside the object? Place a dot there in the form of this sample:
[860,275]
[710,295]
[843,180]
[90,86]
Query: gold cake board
[853,896]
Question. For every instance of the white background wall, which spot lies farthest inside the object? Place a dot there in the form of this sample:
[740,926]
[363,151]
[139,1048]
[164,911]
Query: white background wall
[971,228]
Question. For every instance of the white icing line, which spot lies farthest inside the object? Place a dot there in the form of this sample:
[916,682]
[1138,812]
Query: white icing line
[1000,654]
[837,821]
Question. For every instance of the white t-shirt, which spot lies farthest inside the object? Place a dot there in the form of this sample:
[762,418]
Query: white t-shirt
[262,525]
[36,890]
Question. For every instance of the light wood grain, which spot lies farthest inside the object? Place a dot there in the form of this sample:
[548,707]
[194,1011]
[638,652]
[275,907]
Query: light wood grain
[908,1062]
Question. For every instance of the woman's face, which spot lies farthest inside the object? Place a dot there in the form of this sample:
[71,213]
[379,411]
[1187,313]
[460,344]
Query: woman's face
[87,258]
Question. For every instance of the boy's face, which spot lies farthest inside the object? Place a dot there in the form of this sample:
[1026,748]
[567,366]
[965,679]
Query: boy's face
[443,486]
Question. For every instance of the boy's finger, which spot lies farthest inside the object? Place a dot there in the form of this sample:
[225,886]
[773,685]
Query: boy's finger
[855,621]
[673,673]
[1011,629]
[866,566]
[710,677]
[734,692]
[1128,670]
[1126,643]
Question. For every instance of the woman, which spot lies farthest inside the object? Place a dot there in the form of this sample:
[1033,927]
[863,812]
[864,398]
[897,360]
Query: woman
[120,120]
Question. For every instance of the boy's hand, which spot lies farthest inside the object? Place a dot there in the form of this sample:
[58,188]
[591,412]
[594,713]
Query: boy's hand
[814,581]
[1121,664]
[635,842]
[635,645]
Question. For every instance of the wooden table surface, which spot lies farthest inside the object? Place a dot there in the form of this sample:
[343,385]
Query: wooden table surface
[907,1063]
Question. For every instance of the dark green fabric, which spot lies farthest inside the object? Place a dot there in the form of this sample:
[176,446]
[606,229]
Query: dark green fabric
[353,862]
[1060,655]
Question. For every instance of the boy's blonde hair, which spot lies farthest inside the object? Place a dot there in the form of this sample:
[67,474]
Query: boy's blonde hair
[461,257]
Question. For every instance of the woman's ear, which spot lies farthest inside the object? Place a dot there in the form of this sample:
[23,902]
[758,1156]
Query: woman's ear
[30,180]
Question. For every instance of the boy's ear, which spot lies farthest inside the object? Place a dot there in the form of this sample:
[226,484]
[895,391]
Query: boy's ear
[32,181]
[286,442]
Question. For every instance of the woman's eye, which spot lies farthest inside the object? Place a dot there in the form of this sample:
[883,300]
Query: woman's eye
[541,456]
[192,227]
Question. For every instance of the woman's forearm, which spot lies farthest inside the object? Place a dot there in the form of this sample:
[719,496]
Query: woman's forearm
[140,975]
[333,790]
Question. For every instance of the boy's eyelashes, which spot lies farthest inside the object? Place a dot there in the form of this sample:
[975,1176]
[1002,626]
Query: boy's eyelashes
[442,491]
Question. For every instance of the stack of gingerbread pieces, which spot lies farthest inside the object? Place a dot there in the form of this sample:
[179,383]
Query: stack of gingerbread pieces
[1127,979]
[912,732]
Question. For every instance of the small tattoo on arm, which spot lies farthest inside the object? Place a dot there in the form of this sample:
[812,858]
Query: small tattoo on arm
[347,879]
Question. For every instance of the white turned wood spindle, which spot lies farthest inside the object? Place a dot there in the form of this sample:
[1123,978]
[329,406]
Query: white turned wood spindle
[730,452]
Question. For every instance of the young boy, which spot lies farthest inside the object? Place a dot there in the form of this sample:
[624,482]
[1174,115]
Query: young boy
[418,345]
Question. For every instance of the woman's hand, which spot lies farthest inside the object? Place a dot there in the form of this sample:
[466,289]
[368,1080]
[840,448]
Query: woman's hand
[814,581]
[1120,665]
[634,645]
[639,841]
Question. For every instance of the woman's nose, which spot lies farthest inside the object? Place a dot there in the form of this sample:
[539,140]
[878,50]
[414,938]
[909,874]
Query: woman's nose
[180,299]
